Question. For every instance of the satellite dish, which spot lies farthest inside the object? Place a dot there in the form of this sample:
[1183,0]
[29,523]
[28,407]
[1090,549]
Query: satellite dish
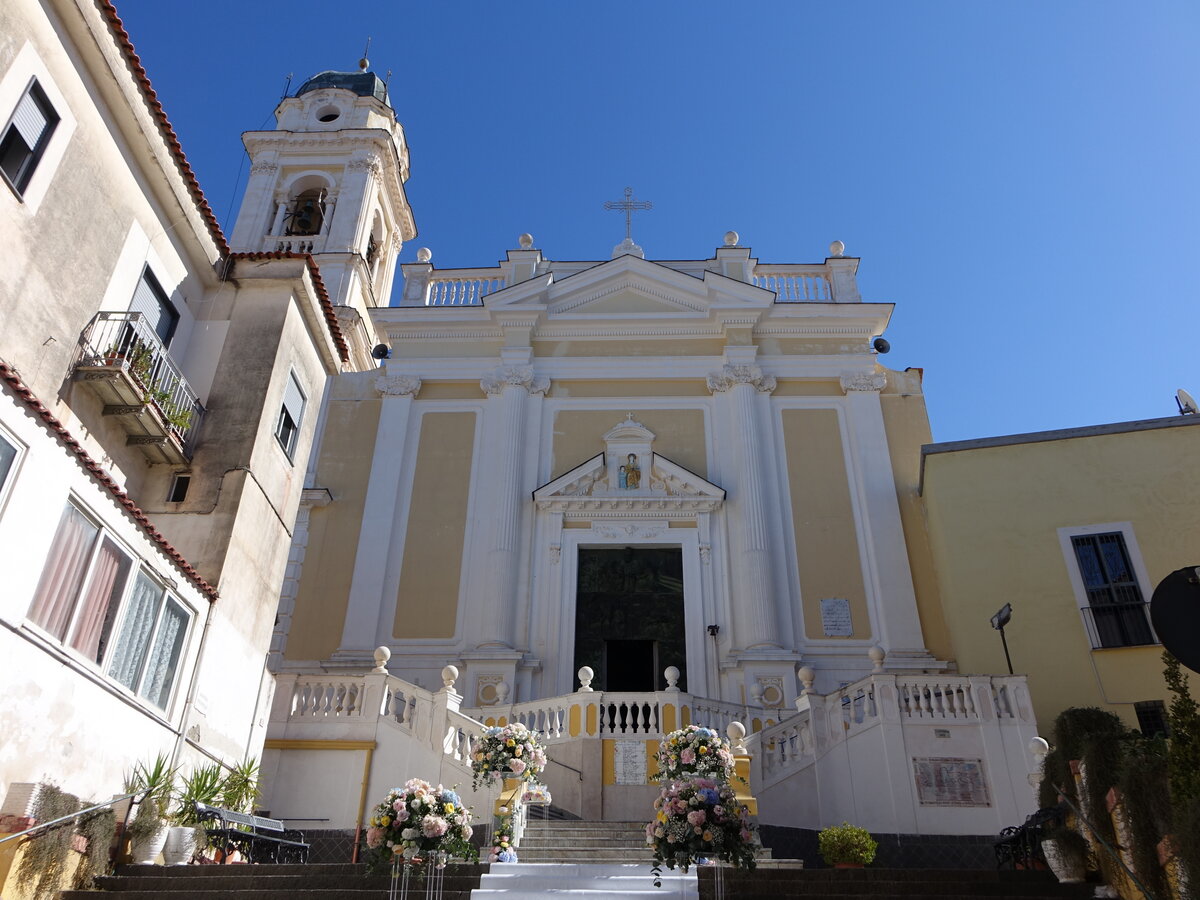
[381,351]
[1187,403]
[1175,614]
[881,345]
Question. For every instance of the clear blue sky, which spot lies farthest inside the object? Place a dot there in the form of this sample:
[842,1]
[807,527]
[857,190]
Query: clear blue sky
[1020,178]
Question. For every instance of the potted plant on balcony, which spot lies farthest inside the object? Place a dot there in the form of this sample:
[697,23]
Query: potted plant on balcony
[154,783]
[202,785]
[846,846]
[1066,852]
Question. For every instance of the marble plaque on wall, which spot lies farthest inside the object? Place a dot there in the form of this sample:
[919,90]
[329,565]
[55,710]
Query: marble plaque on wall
[629,762]
[944,781]
[835,617]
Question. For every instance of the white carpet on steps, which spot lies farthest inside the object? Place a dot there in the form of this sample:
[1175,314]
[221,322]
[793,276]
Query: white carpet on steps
[529,881]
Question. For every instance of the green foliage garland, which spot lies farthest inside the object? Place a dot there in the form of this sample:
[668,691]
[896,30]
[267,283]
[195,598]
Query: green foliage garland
[45,853]
[1143,785]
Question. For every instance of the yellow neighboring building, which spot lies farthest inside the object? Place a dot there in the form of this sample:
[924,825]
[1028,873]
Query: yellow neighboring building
[1074,528]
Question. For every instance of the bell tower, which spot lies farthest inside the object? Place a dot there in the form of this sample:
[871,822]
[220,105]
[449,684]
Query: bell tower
[329,181]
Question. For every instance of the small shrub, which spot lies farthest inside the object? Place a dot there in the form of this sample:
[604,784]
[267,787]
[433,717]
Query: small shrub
[45,853]
[846,843]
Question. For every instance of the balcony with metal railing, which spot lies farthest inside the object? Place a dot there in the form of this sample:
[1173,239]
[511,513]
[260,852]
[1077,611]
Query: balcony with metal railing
[124,363]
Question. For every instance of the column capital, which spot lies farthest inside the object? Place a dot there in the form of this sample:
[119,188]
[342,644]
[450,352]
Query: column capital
[496,381]
[864,381]
[398,385]
[730,376]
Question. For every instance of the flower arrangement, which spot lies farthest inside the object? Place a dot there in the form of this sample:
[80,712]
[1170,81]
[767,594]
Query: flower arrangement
[419,819]
[693,752]
[507,750]
[700,819]
[502,842]
[846,845]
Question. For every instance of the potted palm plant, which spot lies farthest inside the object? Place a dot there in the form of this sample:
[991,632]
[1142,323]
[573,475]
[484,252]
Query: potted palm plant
[202,785]
[154,782]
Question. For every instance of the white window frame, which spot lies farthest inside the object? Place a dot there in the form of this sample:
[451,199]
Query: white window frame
[137,567]
[8,479]
[26,67]
[288,444]
[1125,529]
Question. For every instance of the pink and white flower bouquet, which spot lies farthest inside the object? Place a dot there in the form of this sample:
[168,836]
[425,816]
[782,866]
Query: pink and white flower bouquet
[694,752]
[511,751]
[419,819]
[700,819]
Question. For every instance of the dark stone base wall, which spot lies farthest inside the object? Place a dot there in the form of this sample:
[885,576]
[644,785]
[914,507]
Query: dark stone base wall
[896,851]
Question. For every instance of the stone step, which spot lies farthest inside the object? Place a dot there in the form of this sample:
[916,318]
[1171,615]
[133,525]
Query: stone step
[769,883]
[530,881]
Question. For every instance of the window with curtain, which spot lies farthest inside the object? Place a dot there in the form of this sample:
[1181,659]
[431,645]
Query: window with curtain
[1116,609]
[25,137]
[9,451]
[95,600]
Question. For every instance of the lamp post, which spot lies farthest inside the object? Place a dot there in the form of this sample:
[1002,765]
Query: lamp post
[1002,617]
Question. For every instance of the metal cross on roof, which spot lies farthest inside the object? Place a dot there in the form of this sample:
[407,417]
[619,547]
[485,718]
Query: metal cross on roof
[628,206]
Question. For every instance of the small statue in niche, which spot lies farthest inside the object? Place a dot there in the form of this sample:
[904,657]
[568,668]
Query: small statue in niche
[633,475]
[622,479]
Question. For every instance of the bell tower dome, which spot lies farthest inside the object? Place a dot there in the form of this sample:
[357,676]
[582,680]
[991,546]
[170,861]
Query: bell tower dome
[329,181]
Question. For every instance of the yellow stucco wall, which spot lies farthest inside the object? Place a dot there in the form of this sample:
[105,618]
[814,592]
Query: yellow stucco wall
[713,347]
[427,604]
[641,387]
[344,469]
[993,515]
[679,436]
[827,552]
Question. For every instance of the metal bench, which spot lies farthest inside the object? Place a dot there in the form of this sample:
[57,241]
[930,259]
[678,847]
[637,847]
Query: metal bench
[1020,846]
[258,839]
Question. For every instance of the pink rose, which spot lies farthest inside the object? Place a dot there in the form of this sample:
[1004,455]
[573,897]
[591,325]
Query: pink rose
[696,817]
[434,826]
[374,837]
[517,765]
[687,757]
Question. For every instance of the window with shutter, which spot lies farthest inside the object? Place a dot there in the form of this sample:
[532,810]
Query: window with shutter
[290,415]
[151,301]
[25,137]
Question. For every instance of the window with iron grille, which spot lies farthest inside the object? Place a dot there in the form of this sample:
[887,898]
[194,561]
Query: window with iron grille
[1152,717]
[26,136]
[1116,609]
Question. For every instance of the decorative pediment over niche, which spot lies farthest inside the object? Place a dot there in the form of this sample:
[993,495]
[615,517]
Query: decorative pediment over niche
[629,477]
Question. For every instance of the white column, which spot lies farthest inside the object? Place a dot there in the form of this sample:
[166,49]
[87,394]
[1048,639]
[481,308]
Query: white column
[755,622]
[508,388]
[363,629]
[892,598]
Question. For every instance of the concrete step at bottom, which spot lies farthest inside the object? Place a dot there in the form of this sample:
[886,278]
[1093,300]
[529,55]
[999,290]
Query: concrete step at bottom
[581,881]
[288,894]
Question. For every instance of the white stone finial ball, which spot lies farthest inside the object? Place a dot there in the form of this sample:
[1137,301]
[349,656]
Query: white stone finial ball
[671,673]
[807,677]
[877,655]
[1038,746]
[526,241]
[585,678]
[731,239]
[837,248]
[382,655]
[424,254]
[736,732]
[449,676]
[364,64]
[502,691]
[756,692]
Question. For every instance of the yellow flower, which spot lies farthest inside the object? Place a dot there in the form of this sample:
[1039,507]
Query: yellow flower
[707,836]
[511,743]
[449,807]
[385,821]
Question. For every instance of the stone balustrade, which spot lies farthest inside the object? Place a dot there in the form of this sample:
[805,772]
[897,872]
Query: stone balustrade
[795,283]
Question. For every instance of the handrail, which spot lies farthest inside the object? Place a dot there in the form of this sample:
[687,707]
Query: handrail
[1103,843]
[74,815]
[565,766]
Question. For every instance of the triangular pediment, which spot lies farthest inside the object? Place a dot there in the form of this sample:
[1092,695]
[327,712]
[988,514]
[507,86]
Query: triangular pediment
[668,489]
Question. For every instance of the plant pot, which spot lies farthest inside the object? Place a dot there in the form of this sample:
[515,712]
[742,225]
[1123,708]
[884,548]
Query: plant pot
[1066,869]
[180,845]
[145,849]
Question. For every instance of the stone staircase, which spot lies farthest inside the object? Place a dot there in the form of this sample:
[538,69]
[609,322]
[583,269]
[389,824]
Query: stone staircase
[772,883]
[550,841]
[340,881]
